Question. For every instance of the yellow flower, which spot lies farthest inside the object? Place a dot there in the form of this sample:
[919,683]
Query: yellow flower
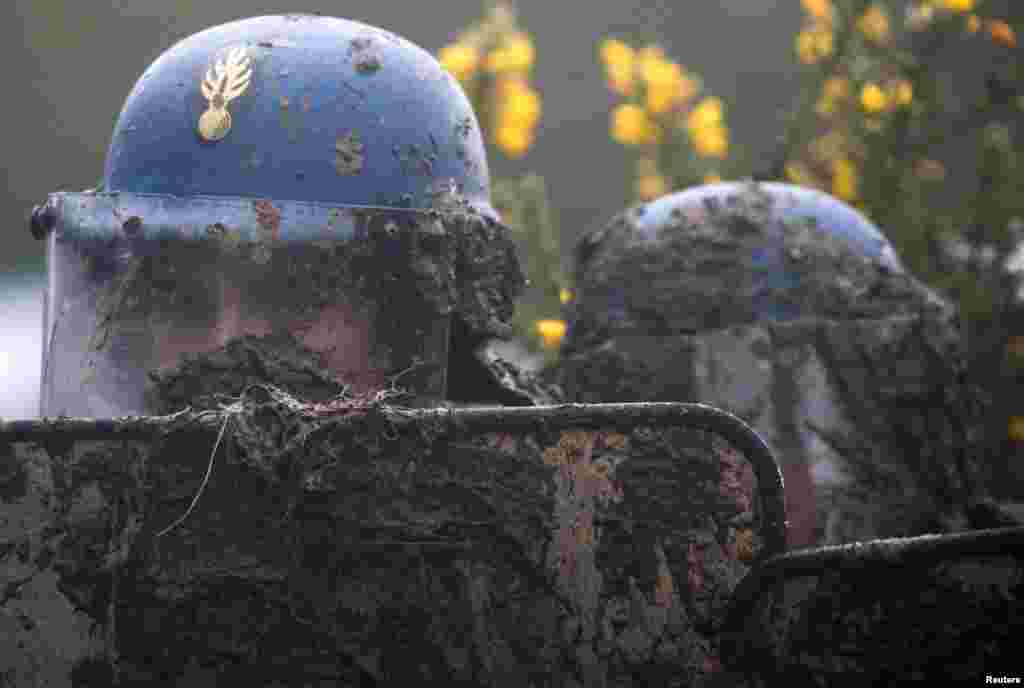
[712,178]
[651,186]
[903,92]
[814,44]
[632,126]
[823,41]
[515,55]
[711,142]
[665,80]
[710,136]
[552,332]
[513,140]
[874,24]
[805,47]
[708,113]
[959,5]
[819,9]
[1016,429]
[844,179]
[564,295]
[1001,32]
[520,104]
[618,61]
[873,98]
[460,60]
[973,24]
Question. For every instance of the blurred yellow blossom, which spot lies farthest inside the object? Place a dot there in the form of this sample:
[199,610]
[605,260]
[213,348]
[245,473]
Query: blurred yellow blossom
[512,140]
[552,332]
[958,5]
[514,55]
[873,98]
[564,295]
[874,24]
[819,9]
[712,142]
[704,124]
[708,113]
[649,187]
[973,24]
[814,43]
[712,178]
[618,59]
[1001,32]
[903,92]
[665,81]
[520,105]
[844,179]
[460,59]
[631,125]
[650,184]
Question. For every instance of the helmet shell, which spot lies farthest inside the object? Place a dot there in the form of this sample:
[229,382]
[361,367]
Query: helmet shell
[734,253]
[307,190]
[301,108]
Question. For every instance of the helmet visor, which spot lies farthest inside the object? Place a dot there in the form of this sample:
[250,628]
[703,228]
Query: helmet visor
[141,284]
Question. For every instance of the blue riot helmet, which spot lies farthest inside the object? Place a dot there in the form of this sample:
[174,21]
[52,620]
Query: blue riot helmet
[742,253]
[783,305]
[302,179]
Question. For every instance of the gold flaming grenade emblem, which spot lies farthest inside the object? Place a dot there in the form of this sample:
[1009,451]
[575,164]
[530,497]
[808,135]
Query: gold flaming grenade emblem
[225,80]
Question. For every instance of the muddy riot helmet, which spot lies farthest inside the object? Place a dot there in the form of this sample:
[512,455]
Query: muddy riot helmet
[309,187]
[789,308]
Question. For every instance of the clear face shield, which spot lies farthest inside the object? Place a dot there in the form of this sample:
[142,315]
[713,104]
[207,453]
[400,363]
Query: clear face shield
[141,284]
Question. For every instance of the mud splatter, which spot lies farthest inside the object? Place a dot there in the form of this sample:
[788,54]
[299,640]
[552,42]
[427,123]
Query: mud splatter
[365,58]
[348,154]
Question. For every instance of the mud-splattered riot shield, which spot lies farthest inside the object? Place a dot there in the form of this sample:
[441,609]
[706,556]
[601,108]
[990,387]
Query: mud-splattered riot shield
[274,541]
[345,540]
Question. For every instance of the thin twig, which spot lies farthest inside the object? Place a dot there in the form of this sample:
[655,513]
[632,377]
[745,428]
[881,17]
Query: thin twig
[206,478]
